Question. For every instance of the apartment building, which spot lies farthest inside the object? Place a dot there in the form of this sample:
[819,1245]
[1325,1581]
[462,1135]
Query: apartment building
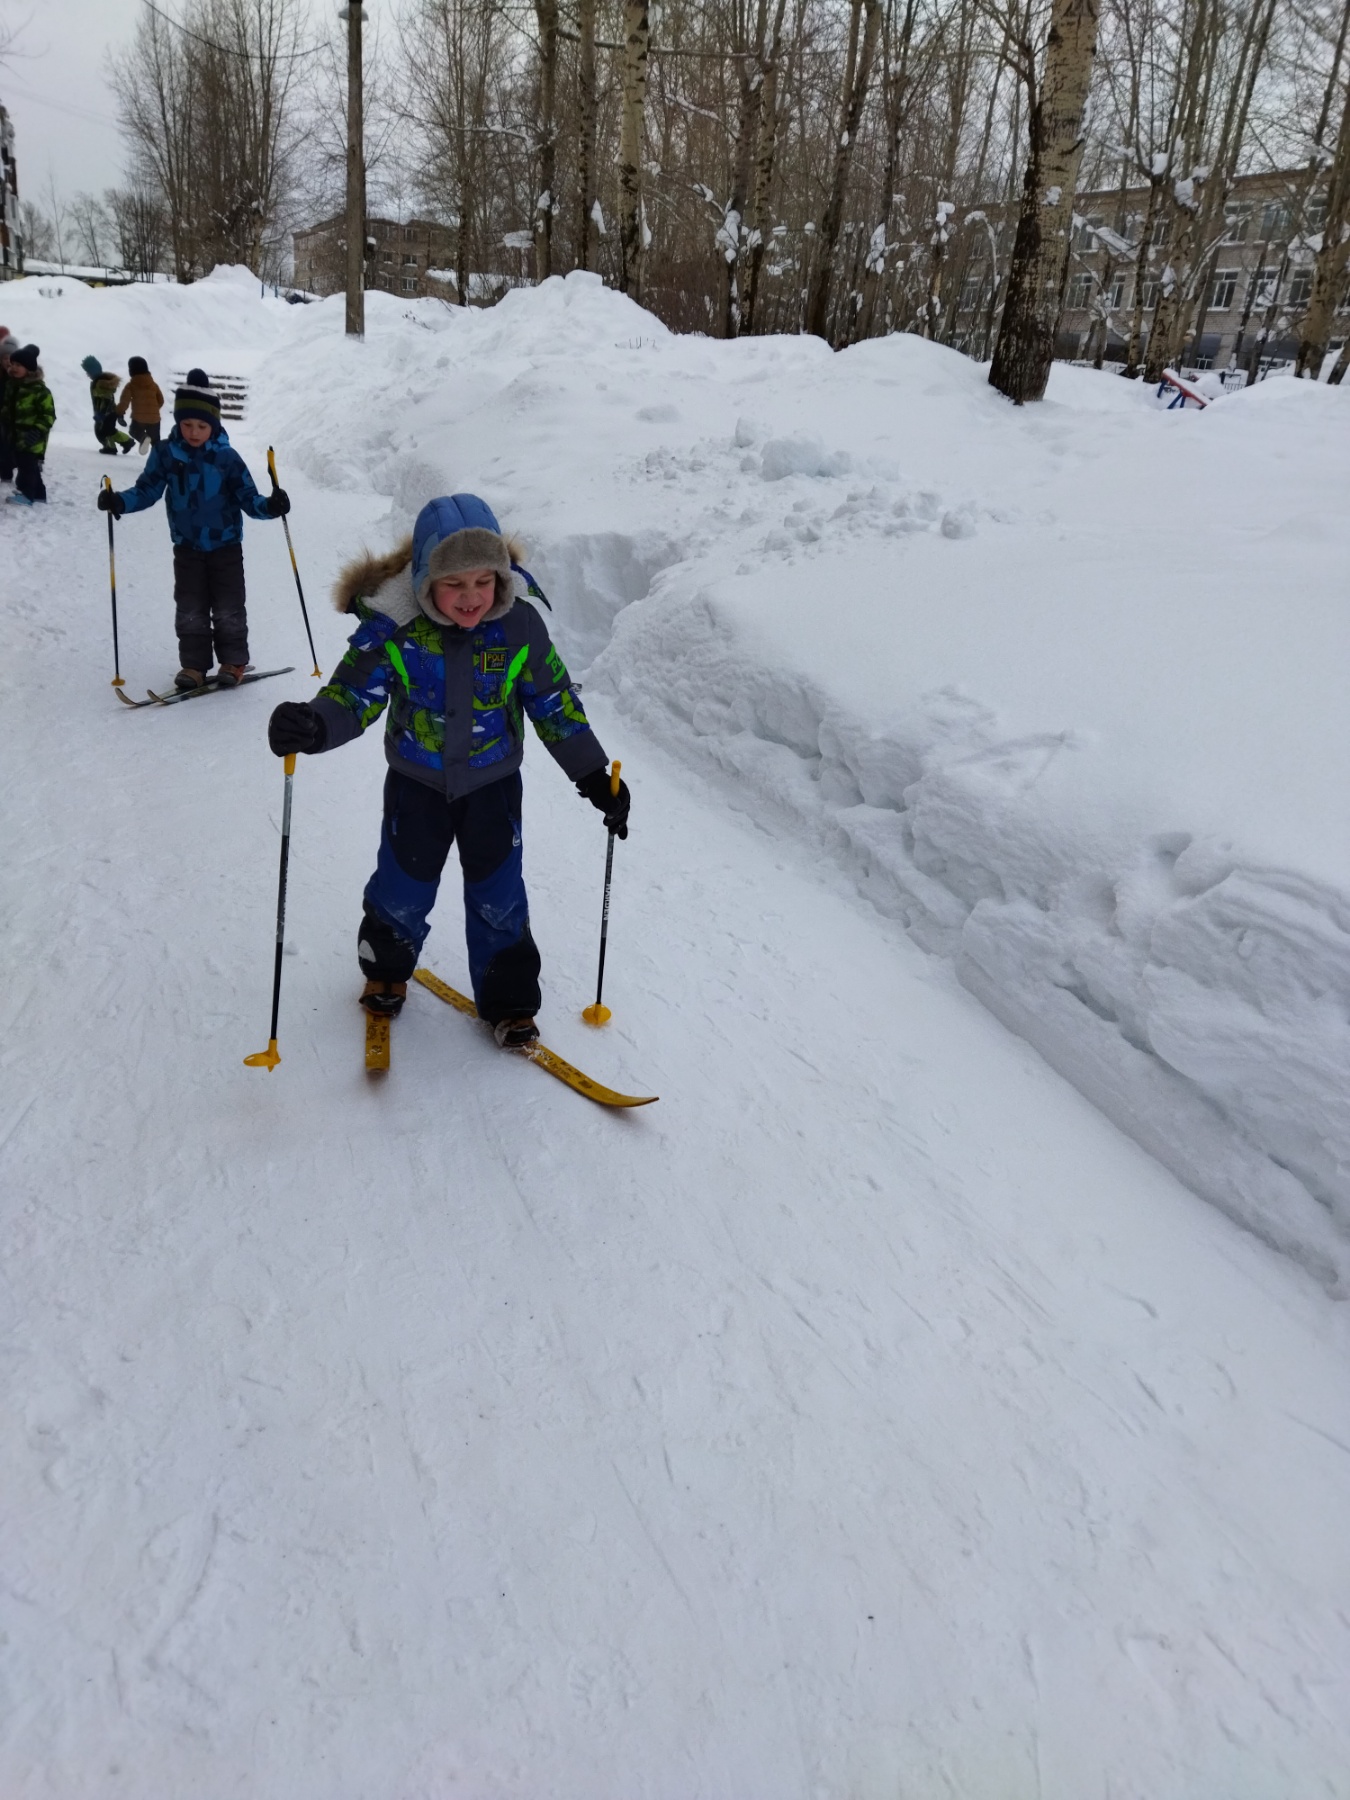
[411,257]
[11,240]
[1257,281]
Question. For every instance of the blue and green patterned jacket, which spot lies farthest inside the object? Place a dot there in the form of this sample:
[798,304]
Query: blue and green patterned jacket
[206,492]
[456,699]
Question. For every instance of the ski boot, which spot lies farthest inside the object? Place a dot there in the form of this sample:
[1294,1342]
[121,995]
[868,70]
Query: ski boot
[516,1034]
[384,997]
[231,674]
[188,679]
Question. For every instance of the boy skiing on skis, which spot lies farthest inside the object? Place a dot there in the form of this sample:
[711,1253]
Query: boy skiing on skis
[444,640]
[103,394]
[207,490]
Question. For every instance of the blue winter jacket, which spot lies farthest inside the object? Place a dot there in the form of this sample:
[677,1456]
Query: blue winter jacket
[206,492]
[456,699]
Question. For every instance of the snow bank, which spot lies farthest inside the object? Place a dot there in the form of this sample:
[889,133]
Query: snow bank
[1060,687]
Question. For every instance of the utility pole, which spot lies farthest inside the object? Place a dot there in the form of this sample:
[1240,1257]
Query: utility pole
[356,174]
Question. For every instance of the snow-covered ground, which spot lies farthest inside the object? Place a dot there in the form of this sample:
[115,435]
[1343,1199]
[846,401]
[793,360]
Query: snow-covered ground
[868,1417]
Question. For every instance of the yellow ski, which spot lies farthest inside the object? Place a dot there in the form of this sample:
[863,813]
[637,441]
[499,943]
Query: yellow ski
[377,1043]
[546,1059]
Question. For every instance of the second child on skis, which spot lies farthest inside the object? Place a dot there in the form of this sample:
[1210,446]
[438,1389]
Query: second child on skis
[207,491]
[444,640]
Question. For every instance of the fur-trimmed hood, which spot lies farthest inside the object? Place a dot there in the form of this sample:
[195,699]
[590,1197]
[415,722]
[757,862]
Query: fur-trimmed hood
[386,583]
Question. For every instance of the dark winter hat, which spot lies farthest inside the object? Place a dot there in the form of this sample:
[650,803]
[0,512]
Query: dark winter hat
[138,366]
[454,533]
[195,400]
[27,358]
[92,367]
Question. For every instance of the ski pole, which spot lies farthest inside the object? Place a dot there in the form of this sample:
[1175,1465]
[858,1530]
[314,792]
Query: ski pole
[597,1014]
[117,680]
[271,1056]
[295,568]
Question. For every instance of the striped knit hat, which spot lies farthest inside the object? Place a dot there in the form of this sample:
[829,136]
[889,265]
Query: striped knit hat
[195,400]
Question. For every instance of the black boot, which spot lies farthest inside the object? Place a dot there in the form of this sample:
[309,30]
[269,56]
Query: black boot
[384,997]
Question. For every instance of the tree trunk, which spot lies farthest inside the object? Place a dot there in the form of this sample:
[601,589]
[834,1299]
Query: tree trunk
[546,11]
[1256,36]
[356,180]
[637,41]
[895,86]
[1134,349]
[586,127]
[856,80]
[765,152]
[1329,269]
[1040,256]
[750,98]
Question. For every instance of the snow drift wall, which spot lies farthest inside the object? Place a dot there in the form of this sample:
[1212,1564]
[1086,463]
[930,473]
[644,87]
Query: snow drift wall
[1198,999]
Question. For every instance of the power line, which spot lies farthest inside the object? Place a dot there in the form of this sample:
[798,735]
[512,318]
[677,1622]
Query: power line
[65,106]
[224,49]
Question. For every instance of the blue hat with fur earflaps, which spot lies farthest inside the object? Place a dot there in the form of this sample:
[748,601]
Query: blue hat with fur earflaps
[454,533]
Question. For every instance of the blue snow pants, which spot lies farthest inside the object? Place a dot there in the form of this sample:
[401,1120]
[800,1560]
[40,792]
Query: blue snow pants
[419,827]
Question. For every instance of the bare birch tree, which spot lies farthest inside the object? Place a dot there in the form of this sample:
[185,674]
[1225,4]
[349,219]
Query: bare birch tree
[1056,94]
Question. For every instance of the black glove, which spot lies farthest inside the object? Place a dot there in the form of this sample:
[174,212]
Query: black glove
[295,726]
[278,503]
[108,501]
[595,788]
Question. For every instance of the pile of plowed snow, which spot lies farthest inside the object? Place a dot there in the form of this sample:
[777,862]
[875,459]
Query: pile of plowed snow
[1061,687]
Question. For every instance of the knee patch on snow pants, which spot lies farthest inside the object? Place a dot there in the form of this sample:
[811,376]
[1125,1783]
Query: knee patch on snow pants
[419,827]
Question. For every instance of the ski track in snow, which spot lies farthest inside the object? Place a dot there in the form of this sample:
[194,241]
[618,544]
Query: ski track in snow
[868,1417]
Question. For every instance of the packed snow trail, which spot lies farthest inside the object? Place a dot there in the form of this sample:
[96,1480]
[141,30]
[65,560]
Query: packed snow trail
[870,1417]
[1059,687]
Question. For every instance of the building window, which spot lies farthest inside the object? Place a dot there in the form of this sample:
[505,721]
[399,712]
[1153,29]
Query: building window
[409,235]
[1316,216]
[1300,287]
[1117,299]
[1239,223]
[1267,282]
[1275,220]
[1080,291]
[409,285]
[410,262]
[1151,294]
[970,293]
[1225,286]
[1162,226]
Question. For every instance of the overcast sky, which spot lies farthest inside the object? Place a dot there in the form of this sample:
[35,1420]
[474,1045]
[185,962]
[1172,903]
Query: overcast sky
[65,118]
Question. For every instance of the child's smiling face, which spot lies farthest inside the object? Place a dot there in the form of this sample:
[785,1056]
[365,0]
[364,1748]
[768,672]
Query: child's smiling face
[465,597]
